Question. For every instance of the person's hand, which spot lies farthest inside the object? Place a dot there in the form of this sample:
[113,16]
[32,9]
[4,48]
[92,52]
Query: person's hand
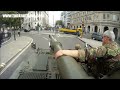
[58,54]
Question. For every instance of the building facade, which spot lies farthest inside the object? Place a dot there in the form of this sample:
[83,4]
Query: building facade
[65,17]
[96,21]
[34,19]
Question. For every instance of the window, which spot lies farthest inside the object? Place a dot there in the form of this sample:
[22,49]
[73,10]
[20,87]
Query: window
[103,16]
[118,19]
[38,12]
[89,18]
[115,18]
[83,12]
[108,16]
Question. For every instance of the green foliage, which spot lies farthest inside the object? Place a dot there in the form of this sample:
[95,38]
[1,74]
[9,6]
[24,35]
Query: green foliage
[22,12]
[59,22]
[15,22]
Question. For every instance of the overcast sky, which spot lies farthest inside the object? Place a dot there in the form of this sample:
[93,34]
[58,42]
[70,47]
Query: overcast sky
[56,15]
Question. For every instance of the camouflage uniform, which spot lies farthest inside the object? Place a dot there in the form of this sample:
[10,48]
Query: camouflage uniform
[107,55]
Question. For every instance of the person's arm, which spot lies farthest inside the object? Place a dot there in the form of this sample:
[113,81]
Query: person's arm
[72,53]
[91,53]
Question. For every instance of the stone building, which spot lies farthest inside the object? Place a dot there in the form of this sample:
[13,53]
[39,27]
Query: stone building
[65,17]
[34,19]
[96,21]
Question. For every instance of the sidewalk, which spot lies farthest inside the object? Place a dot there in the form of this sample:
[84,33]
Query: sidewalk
[91,42]
[11,49]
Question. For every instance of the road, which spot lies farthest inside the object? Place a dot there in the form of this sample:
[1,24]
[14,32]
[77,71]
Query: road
[42,41]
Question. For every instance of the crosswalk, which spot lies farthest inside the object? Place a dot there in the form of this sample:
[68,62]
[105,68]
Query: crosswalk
[48,33]
[60,35]
[57,34]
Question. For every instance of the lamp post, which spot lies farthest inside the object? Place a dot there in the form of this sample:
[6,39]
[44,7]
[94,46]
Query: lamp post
[3,27]
[53,21]
[3,32]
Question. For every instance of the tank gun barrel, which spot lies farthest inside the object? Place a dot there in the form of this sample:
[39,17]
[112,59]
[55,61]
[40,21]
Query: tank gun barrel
[68,66]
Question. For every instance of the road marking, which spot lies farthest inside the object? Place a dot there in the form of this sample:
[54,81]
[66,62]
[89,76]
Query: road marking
[20,49]
[60,35]
[66,36]
[49,33]
[45,38]
[15,58]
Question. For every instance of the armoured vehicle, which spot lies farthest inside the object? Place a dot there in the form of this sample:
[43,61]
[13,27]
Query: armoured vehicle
[65,67]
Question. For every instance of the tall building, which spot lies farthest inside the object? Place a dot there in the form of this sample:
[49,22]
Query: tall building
[65,17]
[34,19]
[96,21]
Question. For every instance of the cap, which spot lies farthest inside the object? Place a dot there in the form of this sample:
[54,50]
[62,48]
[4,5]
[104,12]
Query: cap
[110,34]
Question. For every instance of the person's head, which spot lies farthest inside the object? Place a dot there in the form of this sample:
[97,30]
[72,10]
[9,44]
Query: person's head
[77,46]
[108,36]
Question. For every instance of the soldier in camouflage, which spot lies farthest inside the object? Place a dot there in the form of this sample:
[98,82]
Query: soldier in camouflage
[106,55]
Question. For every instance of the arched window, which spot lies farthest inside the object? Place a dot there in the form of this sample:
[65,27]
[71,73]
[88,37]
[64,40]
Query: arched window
[96,29]
[88,30]
[115,30]
[106,28]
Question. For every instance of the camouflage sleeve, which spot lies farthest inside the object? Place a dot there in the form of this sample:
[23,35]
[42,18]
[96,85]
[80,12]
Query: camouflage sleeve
[92,53]
[81,54]
[96,52]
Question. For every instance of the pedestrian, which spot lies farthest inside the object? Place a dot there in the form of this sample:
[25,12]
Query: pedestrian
[19,32]
[1,38]
[107,55]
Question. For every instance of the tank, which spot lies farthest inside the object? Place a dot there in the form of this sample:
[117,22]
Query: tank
[65,67]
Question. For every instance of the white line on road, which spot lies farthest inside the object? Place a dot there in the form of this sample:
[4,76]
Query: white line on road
[15,58]
[49,33]
[64,35]
[45,38]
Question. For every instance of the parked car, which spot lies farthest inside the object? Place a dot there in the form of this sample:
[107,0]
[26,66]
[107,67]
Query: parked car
[96,36]
[25,30]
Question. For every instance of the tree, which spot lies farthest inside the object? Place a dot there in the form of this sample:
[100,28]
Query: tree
[59,22]
[15,22]
[22,12]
